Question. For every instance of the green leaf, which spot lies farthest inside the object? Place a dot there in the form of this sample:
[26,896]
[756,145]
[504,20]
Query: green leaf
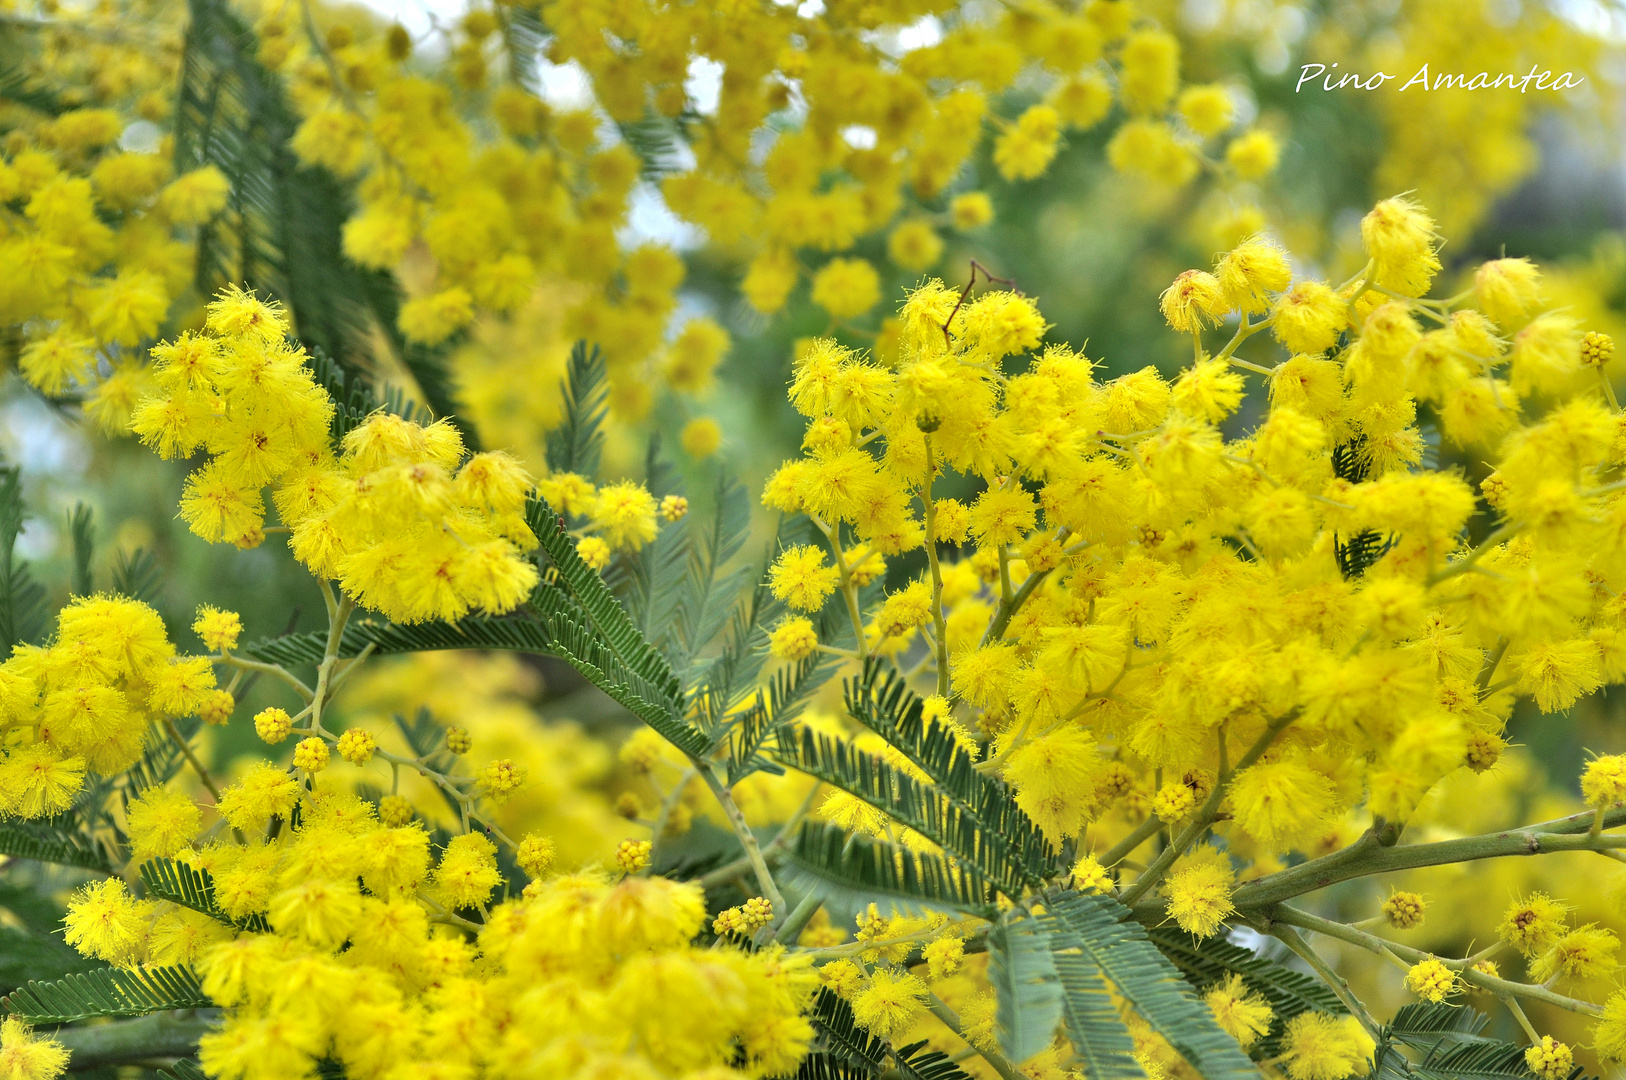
[576,445]
[281,231]
[852,871]
[840,1037]
[22,599]
[193,888]
[106,992]
[186,1069]
[51,844]
[353,397]
[1022,970]
[1102,931]
[916,1062]
[83,531]
[882,701]
[1099,1035]
[1432,1026]
[136,574]
[839,763]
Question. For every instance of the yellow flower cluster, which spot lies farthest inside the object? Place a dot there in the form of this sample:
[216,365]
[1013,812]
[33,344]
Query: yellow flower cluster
[402,518]
[1254,631]
[88,700]
[94,234]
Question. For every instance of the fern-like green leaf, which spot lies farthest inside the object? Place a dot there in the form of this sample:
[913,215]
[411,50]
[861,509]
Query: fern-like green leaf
[822,1066]
[1102,931]
[106,992]
[577,444]
[186,1069]
[839,763]
[851,871]
[49,843]
[1022,970]
[1452,1047]
[882,701]
[82,530]
[190,887]
[916,1062]
[1099,1035]
[136,574]
[22,599]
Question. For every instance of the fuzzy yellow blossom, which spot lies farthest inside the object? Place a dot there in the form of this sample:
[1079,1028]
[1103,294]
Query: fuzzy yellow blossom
[535,854]
[624,515]
[1308,317]
[701,437]
[971,210]
[846,287]
[1240,1013]
[890,1003]
[1194,300]
[26,1056]
[1603,781]
[311,755]
[801,579]
[1199,890]
[161,822]
[793,639]
[1316,1046]
[1090,876]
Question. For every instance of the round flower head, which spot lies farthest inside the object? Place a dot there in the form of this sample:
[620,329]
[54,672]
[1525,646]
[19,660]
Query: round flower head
[501,779]
[1533,924]
[311,755]
[218,629]
[1596,349]
[458,739]
[1431,980]
[1199,890]
[272,724]
[674,507]
[1309,317]
[801,579]
[632,855]
[217,707]
[357,746]
[1549,1059]
[1508,290]
[1316,1046]
[1603,781]
[395,810]
[1194,300]
[1240,1013]
[1090,876]
[1250,272]
[890,1003]
[624,515]
[1404,910]
[535,854]
[25,1056]
[794,640]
